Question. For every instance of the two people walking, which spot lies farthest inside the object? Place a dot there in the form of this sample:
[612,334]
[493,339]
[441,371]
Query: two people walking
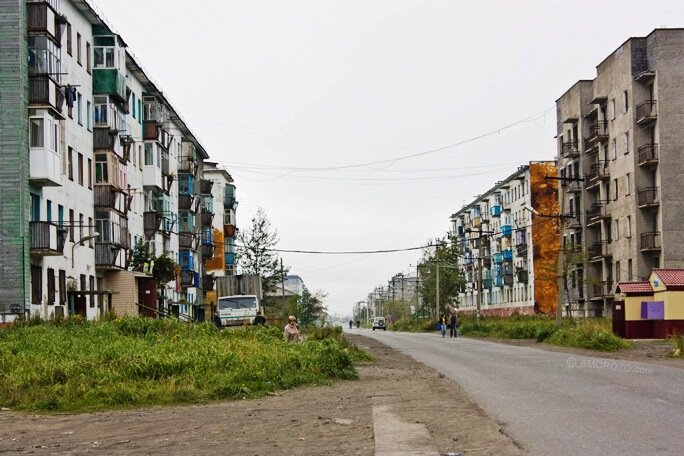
[453,324]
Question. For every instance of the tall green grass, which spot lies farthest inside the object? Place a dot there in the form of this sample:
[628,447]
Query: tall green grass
[593,334]
[75,365]
[537,327]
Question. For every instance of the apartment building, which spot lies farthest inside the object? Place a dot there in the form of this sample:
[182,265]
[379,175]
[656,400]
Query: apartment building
[510,244]
[220,242]
[619,156]
[111,168]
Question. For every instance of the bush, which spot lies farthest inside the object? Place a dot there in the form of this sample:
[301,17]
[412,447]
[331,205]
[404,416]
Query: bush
[537,327]
[76,365]
[590,334]
[677,340]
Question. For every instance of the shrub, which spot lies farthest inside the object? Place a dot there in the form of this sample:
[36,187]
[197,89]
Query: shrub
[590,334]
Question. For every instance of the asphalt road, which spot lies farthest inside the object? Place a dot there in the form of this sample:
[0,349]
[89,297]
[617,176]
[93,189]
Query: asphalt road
[559,403]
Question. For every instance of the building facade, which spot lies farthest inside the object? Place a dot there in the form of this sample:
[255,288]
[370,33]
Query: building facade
[101,172]
[619,156]
[509,243]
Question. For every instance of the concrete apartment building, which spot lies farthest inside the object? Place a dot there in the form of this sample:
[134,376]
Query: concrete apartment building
[101,164]
[509,241]
[619,156]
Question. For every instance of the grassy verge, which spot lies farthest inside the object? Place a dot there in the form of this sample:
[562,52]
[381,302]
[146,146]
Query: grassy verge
[593,334]
[76,366]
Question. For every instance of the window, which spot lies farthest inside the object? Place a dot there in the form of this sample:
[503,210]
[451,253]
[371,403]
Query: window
[139,111]
[36,132]
[45,57]
[60,214]
[617,230]
[70,163]
[79,112]
[625,143]
[36,284]
[630,274]
[35,207]
[133,110]
[629,226]
[89,67]
[140,157]
[611,109]
[149,154]
[104,52]
[615,189]
[88,115]
[50,286]
[90,173]
[81,224]
[68,34]
[49,210]
[71,225]
[101,172]
[625,102]
[91,280]
[90,232]
[617,271]
[613,149]
[78,48]
[628,184]
[80,168]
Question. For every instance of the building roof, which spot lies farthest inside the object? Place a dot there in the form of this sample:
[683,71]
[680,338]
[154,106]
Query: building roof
[671,277]
[635,288]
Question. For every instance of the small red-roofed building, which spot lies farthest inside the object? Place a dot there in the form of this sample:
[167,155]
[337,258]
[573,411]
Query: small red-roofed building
[652,309]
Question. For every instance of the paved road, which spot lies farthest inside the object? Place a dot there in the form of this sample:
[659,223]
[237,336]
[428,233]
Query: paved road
[559,403]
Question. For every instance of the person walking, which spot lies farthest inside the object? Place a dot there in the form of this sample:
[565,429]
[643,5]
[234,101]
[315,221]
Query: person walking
[442,324]
[453,325]
[291,331]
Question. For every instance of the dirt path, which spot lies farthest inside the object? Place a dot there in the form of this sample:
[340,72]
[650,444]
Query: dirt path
[323,420]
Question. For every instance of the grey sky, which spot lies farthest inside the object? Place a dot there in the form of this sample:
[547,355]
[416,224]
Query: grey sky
[330,83]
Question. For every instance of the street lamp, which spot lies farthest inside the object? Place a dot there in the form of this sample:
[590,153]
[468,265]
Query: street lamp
[87,238]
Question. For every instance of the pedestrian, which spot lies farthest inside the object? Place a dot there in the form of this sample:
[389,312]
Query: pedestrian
[216,319]
[351,323]
[453,324]
[442,324]
[358,324]
[291,331]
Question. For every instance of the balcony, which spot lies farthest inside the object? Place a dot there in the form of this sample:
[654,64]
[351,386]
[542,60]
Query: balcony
[188,278]
[45,92]
[208,282]
[598,172]
[206,186]
[602,290]
[151,221]
[648,197]
[646,113]
[590,146]
[43,18]
[598,131]
[185,240]
[186,260]
[597,212]
[508,254]
[598,250]
[508,279]
[229,230]
[45,167]
[498,281]
[487,283]
[109,256]
[188,203]
[507,230]
[570,149]
[109,81]
[105,197]
[522,275]
[573,221]
[648,155]
[152,176]
[650,241]
[207,250]
[574,186]
[498,258]
[521,250]
[47,239]
[230,258]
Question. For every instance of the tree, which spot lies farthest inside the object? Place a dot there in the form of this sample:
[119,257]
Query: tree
[256,253]
[445,256]
[311,306]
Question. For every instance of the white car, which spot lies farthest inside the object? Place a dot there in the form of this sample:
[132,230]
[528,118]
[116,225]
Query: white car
[379,323]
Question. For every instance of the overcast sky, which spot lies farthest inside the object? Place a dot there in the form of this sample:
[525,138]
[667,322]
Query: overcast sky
[271,87]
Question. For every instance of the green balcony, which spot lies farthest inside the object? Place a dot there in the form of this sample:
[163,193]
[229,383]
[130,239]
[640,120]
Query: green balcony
[109,81]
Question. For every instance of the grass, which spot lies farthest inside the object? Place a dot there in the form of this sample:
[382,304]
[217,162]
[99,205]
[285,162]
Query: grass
[593,334]
[75,365]
[677,341]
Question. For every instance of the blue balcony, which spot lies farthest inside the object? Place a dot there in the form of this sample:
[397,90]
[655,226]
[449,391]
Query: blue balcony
[186,260]
[498,281]
[495,211]
[487,283]
[230,258]
[507,230]
[186,184]
[498,258]
[508,254]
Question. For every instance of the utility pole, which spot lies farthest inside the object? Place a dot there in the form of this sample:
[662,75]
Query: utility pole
[437,284]
[480,265]
[282,282]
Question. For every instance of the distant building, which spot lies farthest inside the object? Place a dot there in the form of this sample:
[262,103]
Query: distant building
[620,143]
[509,253]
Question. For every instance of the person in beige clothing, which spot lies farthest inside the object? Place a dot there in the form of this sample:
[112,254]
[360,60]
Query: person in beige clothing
[291,331]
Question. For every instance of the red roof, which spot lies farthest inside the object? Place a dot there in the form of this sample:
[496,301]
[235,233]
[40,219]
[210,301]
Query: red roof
[635,287]
[671,277]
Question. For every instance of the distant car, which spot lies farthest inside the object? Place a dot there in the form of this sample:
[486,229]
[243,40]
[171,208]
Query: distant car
[379,323]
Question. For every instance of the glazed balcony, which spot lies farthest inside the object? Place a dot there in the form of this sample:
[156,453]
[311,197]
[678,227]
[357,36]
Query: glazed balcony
[646,112]
[570,149]
[229,230]
[45,167]
[230,258]
[650,241]
[188,279]
[507,230]
[508,254]
[44,92]
[109,81]
[186,260]
[152,221]
[648,155]
[47,239]
[648,197]
[495,210]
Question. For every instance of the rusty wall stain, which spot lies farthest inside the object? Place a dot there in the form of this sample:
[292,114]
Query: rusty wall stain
[545,235]
[217,262]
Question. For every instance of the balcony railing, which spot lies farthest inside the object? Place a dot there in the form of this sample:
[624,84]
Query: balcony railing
[598,250]
[598,171]
[598,131]
[650,241]
[107,256]
[185,240]
[187,278]
[151,221]
[574,186]
[44,91]
[105,196]
[522,275]
[205,186]
[646,112]
[598,211]
[648,155]
[602,289]
[648,197]
[570,149]
[47,239]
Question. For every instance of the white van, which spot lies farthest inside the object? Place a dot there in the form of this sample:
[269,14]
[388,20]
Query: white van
[240,310]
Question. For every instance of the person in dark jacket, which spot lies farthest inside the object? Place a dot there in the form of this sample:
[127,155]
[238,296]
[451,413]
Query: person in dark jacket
[216,319]
[453,325]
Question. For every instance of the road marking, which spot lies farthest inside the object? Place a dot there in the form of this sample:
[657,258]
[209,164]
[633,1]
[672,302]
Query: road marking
[394,437]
